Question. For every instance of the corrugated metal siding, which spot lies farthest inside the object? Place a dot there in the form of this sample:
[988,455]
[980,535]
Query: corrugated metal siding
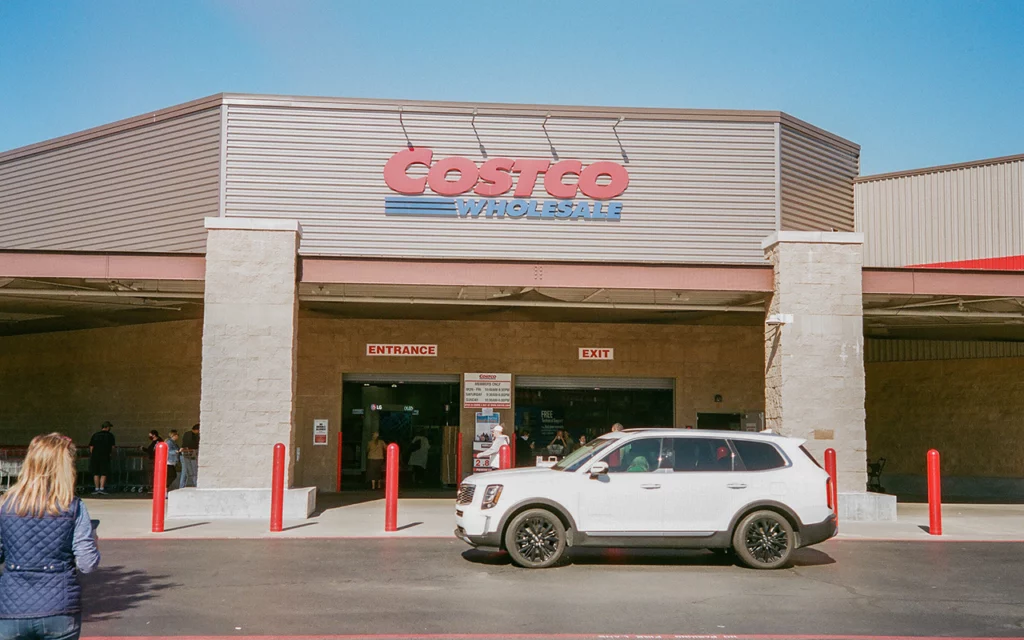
[816,182]
[961,214]
[146,189]
[699,191]
[909,350]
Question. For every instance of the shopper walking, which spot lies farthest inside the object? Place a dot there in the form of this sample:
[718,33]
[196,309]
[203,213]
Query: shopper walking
[173,455]
[524,449]
[46,538]
[101,449]
[190,457]
[150,449]
[418,459]
[376,449]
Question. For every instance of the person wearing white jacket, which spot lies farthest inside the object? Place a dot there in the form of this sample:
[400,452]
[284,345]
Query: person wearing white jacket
[498,438]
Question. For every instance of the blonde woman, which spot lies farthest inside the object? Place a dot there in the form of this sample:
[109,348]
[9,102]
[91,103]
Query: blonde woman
[46,538]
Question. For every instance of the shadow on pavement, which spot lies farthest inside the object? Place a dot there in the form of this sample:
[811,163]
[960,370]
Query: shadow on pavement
[112,591]
[186,526]
[640,557]
[346,498]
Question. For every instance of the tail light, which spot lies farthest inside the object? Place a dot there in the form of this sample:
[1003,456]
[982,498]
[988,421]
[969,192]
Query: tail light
[828,493]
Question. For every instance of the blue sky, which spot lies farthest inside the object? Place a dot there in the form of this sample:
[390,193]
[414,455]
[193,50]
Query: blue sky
[915,83]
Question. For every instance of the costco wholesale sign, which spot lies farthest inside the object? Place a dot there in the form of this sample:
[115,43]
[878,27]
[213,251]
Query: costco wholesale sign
[467,190]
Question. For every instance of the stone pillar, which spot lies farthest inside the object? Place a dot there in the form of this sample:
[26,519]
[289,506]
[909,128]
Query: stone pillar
[250,321]
[814,339]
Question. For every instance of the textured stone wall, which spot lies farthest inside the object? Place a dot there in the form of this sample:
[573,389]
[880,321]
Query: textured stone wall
[814,380]
[249,335]
[138,377]
[971,410]
[704,360]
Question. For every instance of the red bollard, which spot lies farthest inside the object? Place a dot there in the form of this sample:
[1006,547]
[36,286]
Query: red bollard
[833,481]
[505,457]
[339,463]
[458,458]
[391,490]
[159,486]
[277,489]
[934,494]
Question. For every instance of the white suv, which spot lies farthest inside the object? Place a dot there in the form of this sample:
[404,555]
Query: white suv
[761,495]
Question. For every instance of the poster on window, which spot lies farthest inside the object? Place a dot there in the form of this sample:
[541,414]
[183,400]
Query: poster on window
[485,421]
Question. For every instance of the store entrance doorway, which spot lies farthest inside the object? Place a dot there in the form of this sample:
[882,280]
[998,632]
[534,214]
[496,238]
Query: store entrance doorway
[720,421]
[587,408]
[419,413]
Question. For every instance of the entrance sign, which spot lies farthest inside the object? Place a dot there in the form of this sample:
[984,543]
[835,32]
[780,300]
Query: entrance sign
[492,390]
[421,350]
[598,181]
[587,353]
[320,433]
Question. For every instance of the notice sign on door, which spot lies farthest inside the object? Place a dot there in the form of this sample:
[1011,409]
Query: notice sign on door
[420,350]
[492,390]
[320,433]
[589,353]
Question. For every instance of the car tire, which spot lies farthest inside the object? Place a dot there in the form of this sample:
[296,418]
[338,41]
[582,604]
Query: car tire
[764,540]
[535,539]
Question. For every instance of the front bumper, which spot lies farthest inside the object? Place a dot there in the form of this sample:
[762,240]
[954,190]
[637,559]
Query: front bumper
[490,540]
[818,532]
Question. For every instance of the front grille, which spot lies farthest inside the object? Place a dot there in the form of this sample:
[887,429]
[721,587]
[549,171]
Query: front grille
[466,492]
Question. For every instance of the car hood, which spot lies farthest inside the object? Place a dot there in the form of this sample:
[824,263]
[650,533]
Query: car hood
[497,477]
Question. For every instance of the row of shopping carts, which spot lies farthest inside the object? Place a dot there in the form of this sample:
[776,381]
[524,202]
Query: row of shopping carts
[131,470]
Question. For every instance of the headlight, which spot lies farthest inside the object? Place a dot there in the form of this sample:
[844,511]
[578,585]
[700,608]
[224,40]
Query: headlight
[491,495]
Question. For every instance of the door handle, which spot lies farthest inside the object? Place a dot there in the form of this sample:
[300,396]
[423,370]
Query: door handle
[650,486]
[736,485]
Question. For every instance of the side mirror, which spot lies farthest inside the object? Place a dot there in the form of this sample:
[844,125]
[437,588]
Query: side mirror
[598,469]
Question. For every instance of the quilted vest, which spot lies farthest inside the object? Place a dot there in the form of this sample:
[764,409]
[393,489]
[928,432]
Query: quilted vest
[40,578]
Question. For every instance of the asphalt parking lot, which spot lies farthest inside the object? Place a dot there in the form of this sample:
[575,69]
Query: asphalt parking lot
[437,586]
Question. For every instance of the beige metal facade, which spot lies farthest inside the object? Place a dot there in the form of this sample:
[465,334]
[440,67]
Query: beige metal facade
[142,187]
[816,181]
[705,186]
[945,214]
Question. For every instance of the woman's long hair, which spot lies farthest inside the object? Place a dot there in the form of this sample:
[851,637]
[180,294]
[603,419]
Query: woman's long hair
[46,484]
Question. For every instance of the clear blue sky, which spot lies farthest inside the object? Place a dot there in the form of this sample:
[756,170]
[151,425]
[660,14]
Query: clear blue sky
[915,83]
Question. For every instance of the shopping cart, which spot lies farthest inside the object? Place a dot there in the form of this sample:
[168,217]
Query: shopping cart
[131,470]
[11,460]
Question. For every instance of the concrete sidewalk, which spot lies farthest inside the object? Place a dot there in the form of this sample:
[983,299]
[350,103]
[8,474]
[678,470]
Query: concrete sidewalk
[361,515]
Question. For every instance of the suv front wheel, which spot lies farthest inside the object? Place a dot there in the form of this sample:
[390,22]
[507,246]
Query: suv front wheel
[535,539]
[764,540]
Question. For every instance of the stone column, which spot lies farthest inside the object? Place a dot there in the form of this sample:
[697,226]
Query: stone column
[250,321]
[814,339]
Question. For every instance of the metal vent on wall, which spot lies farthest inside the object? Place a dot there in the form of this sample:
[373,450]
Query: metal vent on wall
[584,382]
[408,378]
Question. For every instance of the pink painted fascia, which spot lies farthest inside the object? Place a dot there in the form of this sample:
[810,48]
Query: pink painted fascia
[103,266]
[930,282]
[519,274]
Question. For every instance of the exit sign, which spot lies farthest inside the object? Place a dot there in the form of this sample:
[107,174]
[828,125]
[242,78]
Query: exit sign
[587,353]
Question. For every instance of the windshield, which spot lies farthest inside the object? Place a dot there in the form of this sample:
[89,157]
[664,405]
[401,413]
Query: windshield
[581,456]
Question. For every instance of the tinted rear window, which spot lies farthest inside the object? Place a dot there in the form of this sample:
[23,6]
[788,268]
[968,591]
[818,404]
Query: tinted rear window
[758,456]
[698,454]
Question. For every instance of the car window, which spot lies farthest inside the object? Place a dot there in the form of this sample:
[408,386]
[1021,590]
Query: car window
[581,456]
[758,456]
[699,454]
[637,456]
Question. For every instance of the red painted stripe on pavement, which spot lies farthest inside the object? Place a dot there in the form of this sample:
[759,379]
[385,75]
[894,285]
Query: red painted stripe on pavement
[558,637]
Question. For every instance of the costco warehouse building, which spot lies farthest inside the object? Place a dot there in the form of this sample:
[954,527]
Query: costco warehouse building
[287,269]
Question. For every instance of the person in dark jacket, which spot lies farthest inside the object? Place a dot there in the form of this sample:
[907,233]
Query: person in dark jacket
[150,449]
[101,449]
[46,539]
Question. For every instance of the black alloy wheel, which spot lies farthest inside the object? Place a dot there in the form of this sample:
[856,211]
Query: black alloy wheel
[535,539]
[764,540]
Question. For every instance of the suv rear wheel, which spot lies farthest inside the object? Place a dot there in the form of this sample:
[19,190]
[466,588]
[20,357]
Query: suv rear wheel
[764,540]
[535,539]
